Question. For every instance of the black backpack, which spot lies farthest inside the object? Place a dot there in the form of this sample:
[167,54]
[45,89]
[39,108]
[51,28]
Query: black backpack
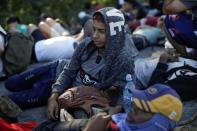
[17,54]
[182,79]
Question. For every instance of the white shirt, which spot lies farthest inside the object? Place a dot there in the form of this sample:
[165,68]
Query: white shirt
[1,42]
[54,48]
[2,48]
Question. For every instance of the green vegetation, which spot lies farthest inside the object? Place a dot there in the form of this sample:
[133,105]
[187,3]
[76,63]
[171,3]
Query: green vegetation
[29,10]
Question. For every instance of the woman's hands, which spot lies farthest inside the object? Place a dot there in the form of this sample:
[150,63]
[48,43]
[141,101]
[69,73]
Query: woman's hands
[53,108]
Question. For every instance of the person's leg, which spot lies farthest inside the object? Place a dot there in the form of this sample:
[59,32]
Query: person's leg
[57,27]
[25,80]
[40,91]
[36,96]
[50,21]
[36,33]
[47,30]
[140,41]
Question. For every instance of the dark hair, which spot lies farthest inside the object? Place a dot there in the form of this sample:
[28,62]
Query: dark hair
[135,3]
[43,16]
[141,13]
[141,9]
[97,16]
[156,4]
[12,19]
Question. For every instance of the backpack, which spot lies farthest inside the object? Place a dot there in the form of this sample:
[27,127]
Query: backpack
[83,97]
[8,109]
[182,79]
[17,55]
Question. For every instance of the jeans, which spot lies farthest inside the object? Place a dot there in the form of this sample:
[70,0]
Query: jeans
[32,87]
[37,35]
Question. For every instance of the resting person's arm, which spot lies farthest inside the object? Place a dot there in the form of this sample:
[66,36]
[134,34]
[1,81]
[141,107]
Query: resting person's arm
[63,82]
[69,73]
[174,6]
[161,68]
[158,75]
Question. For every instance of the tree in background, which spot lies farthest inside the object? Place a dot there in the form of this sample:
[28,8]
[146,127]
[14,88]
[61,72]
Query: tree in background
[30,10]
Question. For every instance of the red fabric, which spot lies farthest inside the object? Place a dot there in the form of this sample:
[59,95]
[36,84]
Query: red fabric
[21,126]
[149,20]
[134,25]
[113,126]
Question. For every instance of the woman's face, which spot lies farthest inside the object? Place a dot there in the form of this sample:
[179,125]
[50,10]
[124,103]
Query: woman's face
[99,34]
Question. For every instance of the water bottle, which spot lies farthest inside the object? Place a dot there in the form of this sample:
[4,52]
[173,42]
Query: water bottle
[127,93]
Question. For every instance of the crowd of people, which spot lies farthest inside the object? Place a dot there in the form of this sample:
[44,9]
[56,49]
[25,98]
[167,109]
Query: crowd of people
[154,43]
